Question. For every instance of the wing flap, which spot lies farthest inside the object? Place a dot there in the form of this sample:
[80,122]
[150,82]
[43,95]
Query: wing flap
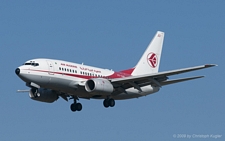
[179,80]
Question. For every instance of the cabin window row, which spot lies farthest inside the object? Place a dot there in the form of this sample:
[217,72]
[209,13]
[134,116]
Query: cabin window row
[90,74]
[81,72]
[68,70]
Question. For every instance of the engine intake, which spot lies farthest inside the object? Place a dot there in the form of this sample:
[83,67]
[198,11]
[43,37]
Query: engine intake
[99,86]
[43,95]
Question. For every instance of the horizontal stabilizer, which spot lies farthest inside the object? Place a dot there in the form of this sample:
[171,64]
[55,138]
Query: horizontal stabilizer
[179,80]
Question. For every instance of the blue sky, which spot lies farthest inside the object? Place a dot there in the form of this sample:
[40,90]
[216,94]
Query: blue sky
[113,35]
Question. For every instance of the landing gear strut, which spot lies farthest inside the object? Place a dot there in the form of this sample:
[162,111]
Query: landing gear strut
[76,106]
[109,102]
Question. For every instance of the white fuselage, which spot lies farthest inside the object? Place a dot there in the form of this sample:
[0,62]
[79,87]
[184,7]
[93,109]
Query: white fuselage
[70,78]
[50,79]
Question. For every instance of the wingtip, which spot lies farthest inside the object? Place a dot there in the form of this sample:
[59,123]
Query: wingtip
[210,65]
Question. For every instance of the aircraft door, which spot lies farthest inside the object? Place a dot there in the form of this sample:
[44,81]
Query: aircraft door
[50,67]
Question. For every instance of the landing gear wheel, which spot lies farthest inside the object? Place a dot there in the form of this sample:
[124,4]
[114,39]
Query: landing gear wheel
[73,107]
[106,103]
[111,102]
[78,107]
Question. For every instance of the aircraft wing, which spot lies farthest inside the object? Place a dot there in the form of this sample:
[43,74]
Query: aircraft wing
[157,79]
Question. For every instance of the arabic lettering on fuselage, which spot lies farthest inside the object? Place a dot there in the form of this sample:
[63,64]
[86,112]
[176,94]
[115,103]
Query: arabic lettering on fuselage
[82,68]
[91,70]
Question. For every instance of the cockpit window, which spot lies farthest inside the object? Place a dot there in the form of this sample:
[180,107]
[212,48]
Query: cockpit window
[27,64]
[35,64]
[32,64]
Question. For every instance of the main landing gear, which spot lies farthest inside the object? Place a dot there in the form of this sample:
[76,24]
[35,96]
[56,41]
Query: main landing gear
[76,106]
[109,102]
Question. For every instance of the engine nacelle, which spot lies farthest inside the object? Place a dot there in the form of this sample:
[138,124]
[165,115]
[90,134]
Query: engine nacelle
[43,95]
[99,86]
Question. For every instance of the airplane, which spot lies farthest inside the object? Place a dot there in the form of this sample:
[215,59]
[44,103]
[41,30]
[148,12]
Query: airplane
[50,79]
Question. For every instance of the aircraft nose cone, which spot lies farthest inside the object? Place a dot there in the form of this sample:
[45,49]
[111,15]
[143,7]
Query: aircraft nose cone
[17,71]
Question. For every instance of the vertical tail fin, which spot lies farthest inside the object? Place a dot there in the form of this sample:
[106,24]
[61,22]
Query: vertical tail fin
[150,60]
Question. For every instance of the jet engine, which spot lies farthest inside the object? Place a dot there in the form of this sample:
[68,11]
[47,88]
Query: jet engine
[99,86]
[43,95]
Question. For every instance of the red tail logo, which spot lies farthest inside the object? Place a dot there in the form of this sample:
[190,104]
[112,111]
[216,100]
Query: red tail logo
[152,60]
